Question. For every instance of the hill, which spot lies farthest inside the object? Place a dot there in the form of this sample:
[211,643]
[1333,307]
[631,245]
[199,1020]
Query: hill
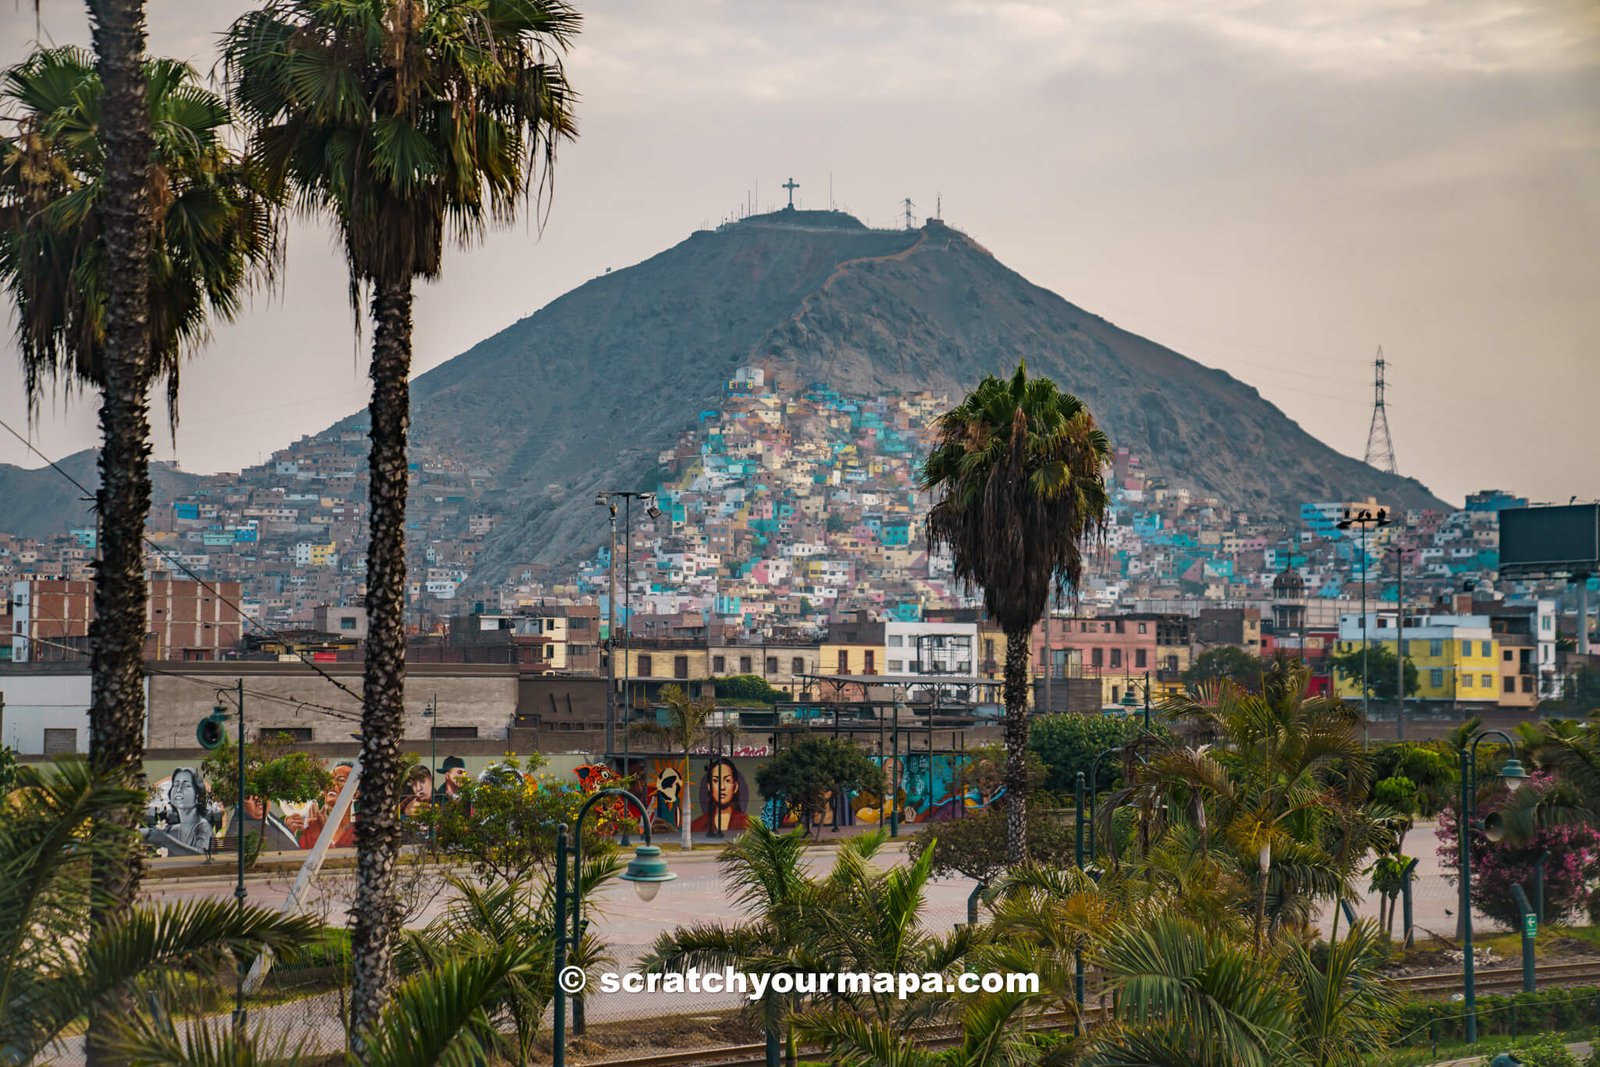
[39,503]
[586,393]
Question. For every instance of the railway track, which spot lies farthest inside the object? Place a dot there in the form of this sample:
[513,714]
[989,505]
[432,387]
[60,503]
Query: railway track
[1489,981]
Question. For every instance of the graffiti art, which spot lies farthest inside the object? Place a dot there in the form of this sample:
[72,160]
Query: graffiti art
[181,820]
[722,798]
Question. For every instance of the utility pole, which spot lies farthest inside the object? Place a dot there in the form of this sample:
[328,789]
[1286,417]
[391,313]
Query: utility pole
[1400,639]
[1048,657]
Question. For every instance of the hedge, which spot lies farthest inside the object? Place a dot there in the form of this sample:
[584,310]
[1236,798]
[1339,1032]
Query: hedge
[1571,1008]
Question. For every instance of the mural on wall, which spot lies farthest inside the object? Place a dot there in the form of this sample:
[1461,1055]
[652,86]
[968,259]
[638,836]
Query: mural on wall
[180,818]
[722,796]
[320,811]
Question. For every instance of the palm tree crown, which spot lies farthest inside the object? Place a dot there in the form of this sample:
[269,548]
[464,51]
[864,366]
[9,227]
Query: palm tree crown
[402,119]
[1018,467]
[212,226]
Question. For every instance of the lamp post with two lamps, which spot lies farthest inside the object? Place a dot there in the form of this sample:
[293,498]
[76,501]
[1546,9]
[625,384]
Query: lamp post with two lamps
[1365,519]
[607,499]
[1512,774]
[647,870]
[431,713]
[1130,703]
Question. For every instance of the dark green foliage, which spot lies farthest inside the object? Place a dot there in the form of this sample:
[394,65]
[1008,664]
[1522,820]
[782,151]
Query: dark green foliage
[1226,663]
[1067,744]
[1432,770]
[807,772]
[1381,670]
[975,846]
[1580,693]
[747,689]
[272,769]
[1548,1010]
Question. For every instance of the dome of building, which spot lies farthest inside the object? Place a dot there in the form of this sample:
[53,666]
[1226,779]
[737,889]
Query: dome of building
[1288,584]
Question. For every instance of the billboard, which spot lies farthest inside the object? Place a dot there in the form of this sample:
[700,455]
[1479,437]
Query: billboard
[1550,540]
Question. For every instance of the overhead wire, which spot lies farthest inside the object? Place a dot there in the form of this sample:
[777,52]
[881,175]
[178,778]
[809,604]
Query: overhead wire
[270,631]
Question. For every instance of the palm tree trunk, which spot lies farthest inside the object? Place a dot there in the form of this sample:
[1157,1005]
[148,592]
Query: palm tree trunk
[377,828]
[688,802]
[1016,734]
[116,714]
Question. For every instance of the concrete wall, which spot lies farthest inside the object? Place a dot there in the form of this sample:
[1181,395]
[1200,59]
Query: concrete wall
[40,699]
[291,696]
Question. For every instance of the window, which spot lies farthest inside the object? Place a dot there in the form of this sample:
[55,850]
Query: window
[844,661]
[1105,627]
[772,664]
[1139,657]
[1506,655]
[1141,627]
[1436,678]
[797,665]
[1116,657]
[646,666]
[1466,648]
[680,667]
[719,664]
[1435,648]
[1485,648]
[60,742]
[744,664]
[294,733]
[871,665]
[1527,684]
[896,641]
[347,623]
[988,648]
[1511,685]
[1488,681]
[1466,681]
[455,733]
[1097,657]
[896,666]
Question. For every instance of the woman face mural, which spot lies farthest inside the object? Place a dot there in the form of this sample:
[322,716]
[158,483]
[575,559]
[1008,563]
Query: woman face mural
[722,798]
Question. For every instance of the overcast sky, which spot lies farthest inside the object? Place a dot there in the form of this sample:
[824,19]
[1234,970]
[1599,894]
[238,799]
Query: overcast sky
[1275,189]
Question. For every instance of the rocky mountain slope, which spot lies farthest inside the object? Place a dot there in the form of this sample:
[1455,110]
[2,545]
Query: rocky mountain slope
[584,394]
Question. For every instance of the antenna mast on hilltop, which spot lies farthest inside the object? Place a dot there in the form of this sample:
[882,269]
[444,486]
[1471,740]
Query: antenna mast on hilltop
[1380,449]
[909,205]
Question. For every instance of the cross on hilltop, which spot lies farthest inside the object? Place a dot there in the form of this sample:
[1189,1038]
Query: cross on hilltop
[790,185]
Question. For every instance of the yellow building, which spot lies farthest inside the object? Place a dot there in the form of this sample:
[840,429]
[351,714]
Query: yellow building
[653,663]
[854,647]
[1457,656]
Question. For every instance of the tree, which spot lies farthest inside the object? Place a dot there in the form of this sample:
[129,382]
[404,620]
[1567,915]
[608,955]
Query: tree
[1068,744]
[273,770]
[1572,865]
[401,124]
[505,828]
[125,223]
[747,689]
[54,966]
[975,846]
[1225,663]
[1017,475]
[813,770]
[684,730]
[1382,671]
[1433,772]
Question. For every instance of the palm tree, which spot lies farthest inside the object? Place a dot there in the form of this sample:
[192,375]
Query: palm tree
[54,967]
[1282,790]
[684,731]
[126,222]
[1018,470]
[766,874]
[402,122]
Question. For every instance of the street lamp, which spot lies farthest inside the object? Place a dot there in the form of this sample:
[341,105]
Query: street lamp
[1513,775]
[605,501]
[647,870]
[648,500]
[210,734]
[1077,855]
[1130,703]
[431,713]
[1364,519]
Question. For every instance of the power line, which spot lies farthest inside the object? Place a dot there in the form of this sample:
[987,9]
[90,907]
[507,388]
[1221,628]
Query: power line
[207,680]
[270,631]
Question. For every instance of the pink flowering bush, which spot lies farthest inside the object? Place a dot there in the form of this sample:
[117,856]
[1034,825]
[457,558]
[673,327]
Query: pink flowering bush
[1572,867]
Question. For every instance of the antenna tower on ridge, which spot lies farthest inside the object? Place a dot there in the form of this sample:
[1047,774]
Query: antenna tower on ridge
[1380,449]
[909,205]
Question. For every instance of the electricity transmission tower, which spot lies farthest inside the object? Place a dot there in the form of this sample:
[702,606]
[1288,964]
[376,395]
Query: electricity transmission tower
[1380,449]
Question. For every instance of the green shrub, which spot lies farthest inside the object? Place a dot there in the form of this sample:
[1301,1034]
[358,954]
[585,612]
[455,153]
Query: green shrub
[1546,1050]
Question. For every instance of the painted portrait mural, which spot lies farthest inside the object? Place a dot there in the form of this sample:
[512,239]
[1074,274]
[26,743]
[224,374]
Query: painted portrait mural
[180,817]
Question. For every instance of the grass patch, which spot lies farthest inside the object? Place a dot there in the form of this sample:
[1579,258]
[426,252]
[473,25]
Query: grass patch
[1455,1050]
